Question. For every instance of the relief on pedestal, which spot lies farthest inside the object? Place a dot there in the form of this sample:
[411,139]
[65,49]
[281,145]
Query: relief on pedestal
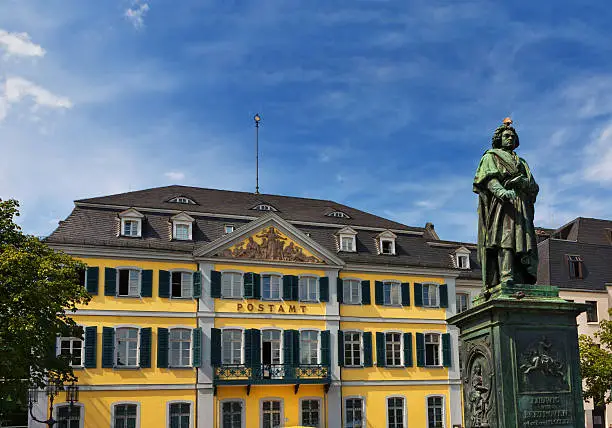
[542,366]
[479,390]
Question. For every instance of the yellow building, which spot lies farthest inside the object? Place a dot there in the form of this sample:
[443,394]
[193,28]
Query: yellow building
[227,309]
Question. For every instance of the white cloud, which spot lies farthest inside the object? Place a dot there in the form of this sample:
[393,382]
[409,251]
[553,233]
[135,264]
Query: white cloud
[19,44]
[598,166]
[175,175]
[136,14]
[16,89]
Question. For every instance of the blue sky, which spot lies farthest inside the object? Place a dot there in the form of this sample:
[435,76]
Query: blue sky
[386,106]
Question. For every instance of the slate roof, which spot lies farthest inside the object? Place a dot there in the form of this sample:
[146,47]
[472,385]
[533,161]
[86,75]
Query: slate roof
[95,221]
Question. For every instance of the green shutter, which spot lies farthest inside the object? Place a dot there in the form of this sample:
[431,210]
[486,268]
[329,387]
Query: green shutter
[446,350]
[215,284]
[256,286]
[249,285]
[92,280]
[215,347]
[365,293]
[405,294]
[418,294]
[444,296]
[288,288]
[340,348]
[379,298]
[162,347]
[296,348]
[339,290]
[91,345]
[324,289]
[420,349]
[145,347]
[164,283]
[146,283]
[196,347]
[197,284]
[255,347]
[380,349]
[110,282]
[295,288]
[408,349]
[289,345]
[367,349]
[325,360]
[108,347]
[247,347]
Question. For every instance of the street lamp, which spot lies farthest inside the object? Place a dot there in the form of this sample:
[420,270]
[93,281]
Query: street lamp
[51,391]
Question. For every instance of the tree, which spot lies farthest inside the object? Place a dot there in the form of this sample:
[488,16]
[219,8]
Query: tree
[596,363]
[38,288]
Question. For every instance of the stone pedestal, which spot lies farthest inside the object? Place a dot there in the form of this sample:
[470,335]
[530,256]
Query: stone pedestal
[519,360]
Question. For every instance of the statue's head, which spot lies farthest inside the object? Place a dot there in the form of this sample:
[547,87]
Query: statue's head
[477,369]
[505,136]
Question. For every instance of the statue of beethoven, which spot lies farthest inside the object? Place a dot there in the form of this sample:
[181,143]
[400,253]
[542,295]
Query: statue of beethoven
[507,246]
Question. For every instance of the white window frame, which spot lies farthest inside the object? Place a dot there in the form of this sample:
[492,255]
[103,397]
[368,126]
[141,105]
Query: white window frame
[428,303]
[443,408]
[116,347]
[58,347]
[182,200]
[401,350]
[282,343]
[241,286]
[242,413]
[343,356]
[317,288]
[280,285]
[81,407]
[264,207]
[390,241]
[133,220]
[302,399]
[189,230]
[363,409]
[396,284]
[119,403]
[128,268]
[181,271]
[318,332]
[440,356]
[466,261]
[191,412]
[353,240]
[467,301]
[181,327]
[282,409]
[241,330]
[228,228]
[404,410]
[344,293]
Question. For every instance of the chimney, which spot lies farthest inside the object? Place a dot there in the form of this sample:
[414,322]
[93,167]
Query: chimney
[429,227]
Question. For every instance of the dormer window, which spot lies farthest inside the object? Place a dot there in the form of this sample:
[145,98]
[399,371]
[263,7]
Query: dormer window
[462,258]
[182,227]
[338,214]
[131,223]
[386,243]
[347,240]
[182,200]
[264,207]
[229,228]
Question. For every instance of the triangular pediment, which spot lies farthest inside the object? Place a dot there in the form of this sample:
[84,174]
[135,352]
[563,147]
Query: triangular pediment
[346,231]
[387,234]
[269,239]
[462,250]
[182,216]
[132,213]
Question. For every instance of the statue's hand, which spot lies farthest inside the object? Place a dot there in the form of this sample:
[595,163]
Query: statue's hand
[508,195]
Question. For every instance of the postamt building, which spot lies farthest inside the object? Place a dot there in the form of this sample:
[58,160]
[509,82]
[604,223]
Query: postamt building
[227,309]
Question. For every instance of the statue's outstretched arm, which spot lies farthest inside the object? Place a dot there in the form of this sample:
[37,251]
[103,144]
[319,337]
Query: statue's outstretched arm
[500,191]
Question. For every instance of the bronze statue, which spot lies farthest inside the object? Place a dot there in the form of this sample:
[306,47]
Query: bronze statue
[507,246]
[479,399]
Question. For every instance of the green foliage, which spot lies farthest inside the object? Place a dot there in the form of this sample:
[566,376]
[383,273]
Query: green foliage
[38,288]
[596,363]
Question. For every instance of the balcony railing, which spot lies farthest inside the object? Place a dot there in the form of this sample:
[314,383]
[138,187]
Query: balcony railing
[240,374]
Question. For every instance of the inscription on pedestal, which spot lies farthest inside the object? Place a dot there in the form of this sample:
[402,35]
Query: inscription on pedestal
[550,410]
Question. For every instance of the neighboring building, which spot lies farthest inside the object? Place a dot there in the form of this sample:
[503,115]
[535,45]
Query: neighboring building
[227,309]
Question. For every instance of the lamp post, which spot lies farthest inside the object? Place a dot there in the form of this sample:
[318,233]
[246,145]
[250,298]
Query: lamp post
[51,391]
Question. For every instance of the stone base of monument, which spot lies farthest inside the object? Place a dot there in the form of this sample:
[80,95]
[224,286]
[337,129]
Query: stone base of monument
[519,360]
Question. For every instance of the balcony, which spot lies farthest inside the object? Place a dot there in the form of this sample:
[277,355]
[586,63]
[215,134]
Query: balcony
[271,374]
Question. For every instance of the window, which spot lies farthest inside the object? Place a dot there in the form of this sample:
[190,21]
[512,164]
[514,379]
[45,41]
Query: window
[231,414]
[395,412]
[309,347]
[231,347]
[129,282]
[67,417]
[392,293]
[351,291]
[180,413]
[462,302]
[182,285]
[231,285]
[125,416]
[432,349]
[591,311]
[310,412]
[575,265]
[463,261]
[387,246]
[338,214]
[182,231]
[182,200]
[271,414]
[347,243]
[229,228]
[126,347]
[430,295]
[179,341]
[130,227]
[308,288]
[435,412]
[354,413]
[72,347]
[270,289]
[264,207]
[352,349]
[271,347]
[393,349]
